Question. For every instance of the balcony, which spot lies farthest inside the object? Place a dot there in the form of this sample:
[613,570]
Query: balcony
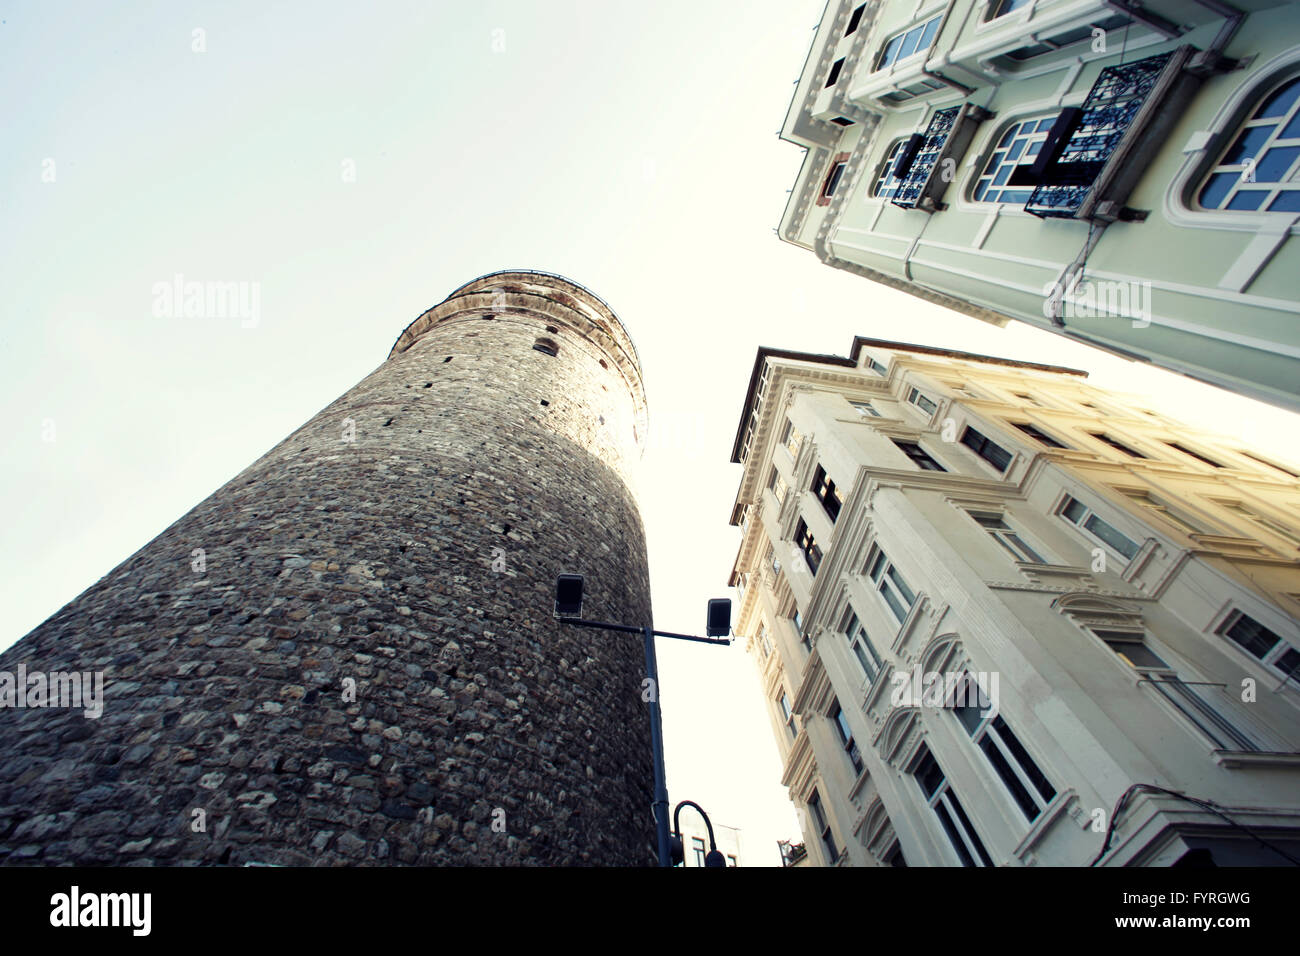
[1095,154]
[792,854]
[928,162]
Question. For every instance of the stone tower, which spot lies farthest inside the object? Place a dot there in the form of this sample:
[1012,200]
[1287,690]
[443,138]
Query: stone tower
[347,653]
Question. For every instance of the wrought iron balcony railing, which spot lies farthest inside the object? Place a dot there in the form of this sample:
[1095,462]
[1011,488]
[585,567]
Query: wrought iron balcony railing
[1094,154]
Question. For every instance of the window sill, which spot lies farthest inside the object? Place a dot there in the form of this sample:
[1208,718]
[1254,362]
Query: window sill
[1064,570]
[1046,820]
[1237,759]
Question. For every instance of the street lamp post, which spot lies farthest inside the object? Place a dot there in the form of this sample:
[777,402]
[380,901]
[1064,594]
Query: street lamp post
[568,608]
[713,858]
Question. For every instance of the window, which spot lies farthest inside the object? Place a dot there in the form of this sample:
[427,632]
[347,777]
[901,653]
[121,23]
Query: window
[894,856]
[1077,513]
[731,860]
[697,844]
[912,90]
[841,722]
[1144,499]
[1003,534]
[788,716]
[1084,138]
[1000,8]
[893,589]
[907,43]
[866,409]
[1117,444]
[919,458]
[1261,643]
[1061,40]
[1272,524]
[808,545]
[1016,150]
[763,642]
[1257,171]
[1177,446]
[1274,466]
[824,490]
[835,72]
[884,187]
[875,366]
[797,620]
[842,121]
[1017,770]
[778,486]
[855,19]
[833,180]
[943,801]
[917,398]
[861,644]
[1036,433]
[919,156]
[546,347]
[791,438]
[990,451]
[1133,650]
[773,561]
[823,827]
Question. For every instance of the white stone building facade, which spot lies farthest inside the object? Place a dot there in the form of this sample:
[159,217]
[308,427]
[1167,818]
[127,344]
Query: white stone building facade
[1002,617]
[1122,172]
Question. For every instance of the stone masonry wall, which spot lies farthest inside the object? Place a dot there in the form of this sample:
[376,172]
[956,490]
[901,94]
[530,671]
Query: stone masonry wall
[417,560]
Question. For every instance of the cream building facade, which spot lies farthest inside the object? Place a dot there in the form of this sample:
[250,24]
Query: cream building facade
[1123,172]
[1002,617]
[695,841]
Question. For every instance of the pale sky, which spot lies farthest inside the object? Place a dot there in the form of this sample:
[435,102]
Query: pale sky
[629,146]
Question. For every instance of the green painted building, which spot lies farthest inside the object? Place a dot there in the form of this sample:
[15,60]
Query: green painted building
[1124,173]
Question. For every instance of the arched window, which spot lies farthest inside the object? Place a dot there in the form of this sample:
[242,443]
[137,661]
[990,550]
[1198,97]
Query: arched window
[547,347]
[1017,147]
[1258,169]
[885,183]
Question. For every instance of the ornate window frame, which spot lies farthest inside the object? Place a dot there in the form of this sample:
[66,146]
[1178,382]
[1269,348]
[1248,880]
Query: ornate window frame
[1205,146]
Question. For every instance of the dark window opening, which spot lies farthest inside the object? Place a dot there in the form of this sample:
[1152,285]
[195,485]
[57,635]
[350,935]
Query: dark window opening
[546,347]
[835,71]
[551,328]
[1274,466]
[842,121]
[389,422]
[1033,431]
[990,451]
[1193,454]
[919,458]
[825,491]
[823,827]
[808,545]
[1117,445]
[833,180]
[855,19]
[446,360]
[545,402]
